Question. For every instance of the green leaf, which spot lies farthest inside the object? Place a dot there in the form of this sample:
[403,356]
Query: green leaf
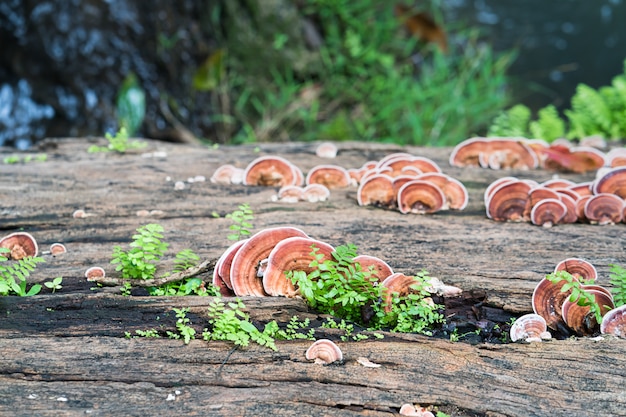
[131,104]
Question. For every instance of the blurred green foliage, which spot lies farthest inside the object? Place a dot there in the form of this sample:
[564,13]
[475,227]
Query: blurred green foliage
[368,80]
[592,112]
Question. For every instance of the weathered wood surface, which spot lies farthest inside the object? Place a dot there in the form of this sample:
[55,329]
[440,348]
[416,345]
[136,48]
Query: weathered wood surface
[71,345]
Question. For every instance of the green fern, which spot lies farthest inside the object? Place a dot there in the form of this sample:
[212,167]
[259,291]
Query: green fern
[13,275]
[549,126]
[511,123]
[590,114]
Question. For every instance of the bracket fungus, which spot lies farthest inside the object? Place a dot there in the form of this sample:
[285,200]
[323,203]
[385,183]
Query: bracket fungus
[326,150]
[530,328]
[612,182]
[604,208]
[420,197]
[580,318]
[548,212]
[376,190]
[57,248]
[396,283]
[324,352]
[243,272]
[495,153]
[579,268]
[289,194]
[509,202]
[614,322]
[547,301]
[411,410]
[272,171]
[94,272]
[224,263]
[379,268]
[572,159]
[455,192]
[331,176]
[227,174]
[291,254]
[20,244]
[315,192]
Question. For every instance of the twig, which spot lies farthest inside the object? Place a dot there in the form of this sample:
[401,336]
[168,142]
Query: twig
[178,276]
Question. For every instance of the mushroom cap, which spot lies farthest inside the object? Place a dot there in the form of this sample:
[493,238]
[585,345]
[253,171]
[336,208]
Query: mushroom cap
[398,182]
[604,209]
[243,271]
[580,269]
[614,322]
[509,202]
[580,318]
[331,176]
[582,188]
[21,245]
[272,171]
[580,208]
[396,283]
[94,272]
[616,157]
[495,184]
[291,254]
[399,163]
[380,269]
[496,153]
[227,174]
[225,261]
[376,190]
[420,197]
[612,182]
[548,212]
[290,194]
[454,190]
[315,192]
[547,301]
[528,325]
[220,284]
[575,159]
[57,248]
[538,193]
[324,351]
[326,150]
[571,216]
[557,183]
[389,157]
[411,410]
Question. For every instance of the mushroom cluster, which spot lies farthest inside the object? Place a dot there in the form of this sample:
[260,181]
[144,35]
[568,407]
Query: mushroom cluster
[20,245]
[522,153]
[558,201]
[563,315]
[257,266]
[408,183]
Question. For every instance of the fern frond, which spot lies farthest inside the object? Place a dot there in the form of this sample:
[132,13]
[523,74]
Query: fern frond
[512,122]
[549,125]
[590,114]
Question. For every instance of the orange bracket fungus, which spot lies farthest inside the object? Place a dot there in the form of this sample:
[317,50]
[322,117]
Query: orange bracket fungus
[580,318]
[326,150]
[227,174]
[547,301]
[398,284]
[530,328]
[579,268]
[243,272]
[604,209]
[324,352]
[272,171]
[509,202]
[614,322]
[57,248]
[379,268]
[20,244]
[94,272]
[291,254]
[376,190]
[420,197]
[548,212]
[331,176]
[454,190]
[315,192]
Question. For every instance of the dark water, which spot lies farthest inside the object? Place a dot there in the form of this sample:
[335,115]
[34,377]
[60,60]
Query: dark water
[561,42]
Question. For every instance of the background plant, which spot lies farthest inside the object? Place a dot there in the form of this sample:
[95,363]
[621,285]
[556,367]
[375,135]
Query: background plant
[241,222]
[145,251]
[592,111]
[369,82]
[118,143]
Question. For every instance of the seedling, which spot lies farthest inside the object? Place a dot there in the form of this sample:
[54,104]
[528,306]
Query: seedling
[150,333]
[183,326]
[293,330]
[55,284]
[146,249]
[118,143]
[230,322]
[185,259]
[241,222]
[16,159]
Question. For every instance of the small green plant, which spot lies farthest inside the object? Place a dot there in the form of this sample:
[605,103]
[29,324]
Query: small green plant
[293,330]
[189,286]
[340,287]
[348,328]
[441,414]
[145,250]
[578,294]
[455,336]
[511,122]
[182,326]
[118,143]
[126,289]
[185,259]
[241,222]
[150,333]
[13,275]
[16,159]
[618,280]
[229,322]
[55,284]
